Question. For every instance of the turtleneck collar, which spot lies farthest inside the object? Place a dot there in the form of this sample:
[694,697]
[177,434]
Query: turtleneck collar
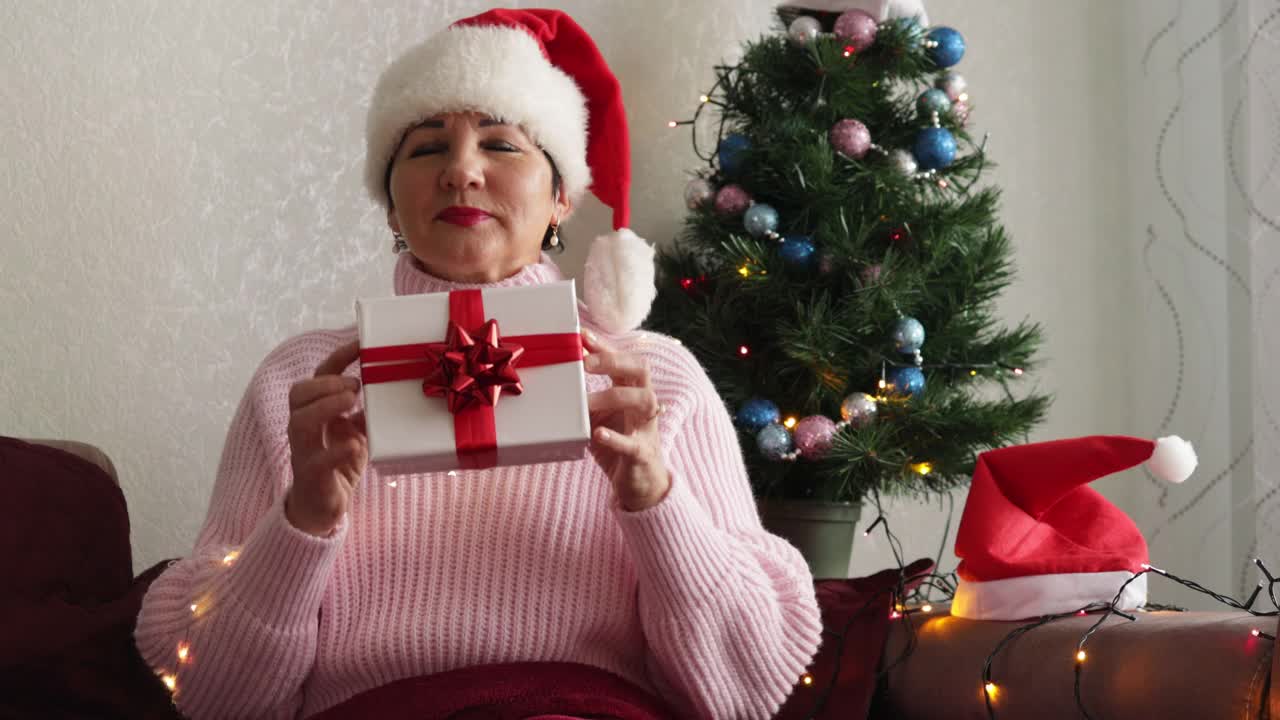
[412,279]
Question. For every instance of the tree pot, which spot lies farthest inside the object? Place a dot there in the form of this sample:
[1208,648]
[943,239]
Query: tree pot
[822,531]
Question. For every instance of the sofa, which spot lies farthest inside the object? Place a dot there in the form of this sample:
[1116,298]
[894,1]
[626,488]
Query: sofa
[66,620]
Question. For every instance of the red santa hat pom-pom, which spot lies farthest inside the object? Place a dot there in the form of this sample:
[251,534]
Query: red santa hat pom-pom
[1173,459]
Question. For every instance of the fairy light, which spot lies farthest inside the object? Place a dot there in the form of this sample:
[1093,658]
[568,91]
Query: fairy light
[1017,371]
[744,271]
[184,650]
[392,483]
[790,422]
[230,557]
[923,468]
[1080,656]
[194,608]
[1255,632]
[895,615]
[704,99]
[672,123]
[743,350]
[848,50]
[882,384]
[453,473]
[170,682]
[991,690]
[926,609]
[807,679]
[973,373]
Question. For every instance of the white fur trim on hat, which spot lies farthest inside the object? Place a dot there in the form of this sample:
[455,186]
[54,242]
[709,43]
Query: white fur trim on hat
[618,280]
[1173,459]
[496,70]
[1019,598]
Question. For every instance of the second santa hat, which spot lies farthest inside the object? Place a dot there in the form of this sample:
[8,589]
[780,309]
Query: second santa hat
[540,70]
[1036,540]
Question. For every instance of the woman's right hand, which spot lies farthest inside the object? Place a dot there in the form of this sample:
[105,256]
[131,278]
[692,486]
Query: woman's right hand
[328,444]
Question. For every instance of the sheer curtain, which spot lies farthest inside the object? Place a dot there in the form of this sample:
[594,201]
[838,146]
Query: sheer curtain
[1201,107]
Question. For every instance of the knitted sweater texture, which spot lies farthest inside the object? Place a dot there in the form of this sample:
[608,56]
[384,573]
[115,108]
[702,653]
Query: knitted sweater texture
[690,598]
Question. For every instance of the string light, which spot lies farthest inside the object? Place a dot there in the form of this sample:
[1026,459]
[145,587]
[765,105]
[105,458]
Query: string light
[453,473]
[744,271]
[743,350]
[231,557]
[392,483]
[704,99]
[790,422]
[973,373]
[183,651]
[923,468]
[926,609]
[170,682]
[991,690]
[672,123]
[1080,656]
[1255,632]
[848,50]
[194,608]
[1017,371]
[807,679]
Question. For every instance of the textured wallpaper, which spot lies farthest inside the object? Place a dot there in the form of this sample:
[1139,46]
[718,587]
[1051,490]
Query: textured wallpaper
[180,191]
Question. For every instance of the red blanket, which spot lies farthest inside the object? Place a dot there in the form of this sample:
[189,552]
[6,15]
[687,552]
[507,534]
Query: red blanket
[510,691]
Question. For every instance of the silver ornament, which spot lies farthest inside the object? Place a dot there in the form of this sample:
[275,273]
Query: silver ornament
[774,441]
[761,221]
[903,162]
[953,84]
[858,409]
[804,30]
[908,335]
[697,193]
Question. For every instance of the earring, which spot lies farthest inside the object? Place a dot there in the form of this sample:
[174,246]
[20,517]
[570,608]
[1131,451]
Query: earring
[399,245]
[555,236]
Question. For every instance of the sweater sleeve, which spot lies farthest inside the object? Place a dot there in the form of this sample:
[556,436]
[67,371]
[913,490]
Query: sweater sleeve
[728,610]
[232,628]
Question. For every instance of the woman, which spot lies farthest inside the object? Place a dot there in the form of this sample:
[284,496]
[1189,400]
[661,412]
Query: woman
[314,579]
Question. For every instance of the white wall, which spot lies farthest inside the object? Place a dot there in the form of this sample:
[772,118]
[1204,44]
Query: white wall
[180,183]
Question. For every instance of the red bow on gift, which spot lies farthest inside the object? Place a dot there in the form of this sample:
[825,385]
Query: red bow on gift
[470,370]
[467,371]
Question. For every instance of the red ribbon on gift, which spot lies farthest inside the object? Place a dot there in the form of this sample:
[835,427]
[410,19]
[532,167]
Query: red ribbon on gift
[471,370]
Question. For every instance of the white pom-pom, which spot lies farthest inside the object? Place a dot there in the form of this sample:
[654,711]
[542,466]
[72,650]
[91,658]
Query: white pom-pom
[618,280]
[1173,460]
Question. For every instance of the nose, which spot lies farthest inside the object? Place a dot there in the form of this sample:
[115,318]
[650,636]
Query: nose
[464,169]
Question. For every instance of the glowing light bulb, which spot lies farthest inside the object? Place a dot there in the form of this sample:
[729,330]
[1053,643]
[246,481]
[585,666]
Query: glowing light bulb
[790,422]
[973,373]
[848,50]
[1255,632]
[743,350]
[883,384]
[927,609]
[807,679]
[895,615]
[1017,371]
[453,473]
[231,557]
[170,682]
[183,651]
[991,689]
[194,607]
[392,483]
[744,271]
[671,123]
[923,468]
[704,99]
[1080,656]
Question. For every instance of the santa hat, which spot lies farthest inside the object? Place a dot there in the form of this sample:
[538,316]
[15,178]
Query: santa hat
[540,70]
[1036,540]
[879,9]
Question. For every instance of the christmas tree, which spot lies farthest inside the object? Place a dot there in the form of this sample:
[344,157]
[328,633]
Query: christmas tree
[838,270]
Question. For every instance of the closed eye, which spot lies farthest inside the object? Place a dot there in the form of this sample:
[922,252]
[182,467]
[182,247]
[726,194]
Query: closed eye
[500,146]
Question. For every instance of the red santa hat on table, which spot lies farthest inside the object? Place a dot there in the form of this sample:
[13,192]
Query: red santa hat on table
[1036,540]
[540,70]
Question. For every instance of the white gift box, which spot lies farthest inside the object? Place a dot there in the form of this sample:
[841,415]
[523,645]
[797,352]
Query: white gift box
[410,432]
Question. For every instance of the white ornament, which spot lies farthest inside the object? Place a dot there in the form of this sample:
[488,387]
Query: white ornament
[804,30]
[903,162]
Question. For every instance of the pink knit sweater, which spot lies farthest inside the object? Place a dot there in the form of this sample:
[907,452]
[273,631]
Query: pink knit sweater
[690,598]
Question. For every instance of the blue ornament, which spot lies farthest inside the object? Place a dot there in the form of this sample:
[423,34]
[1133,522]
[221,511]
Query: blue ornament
[731,150]
[756,413]
[935,148]
[907,380]
[798,252]
[949,48]
[761,221]
[933,101]
[774,441]
[908,335]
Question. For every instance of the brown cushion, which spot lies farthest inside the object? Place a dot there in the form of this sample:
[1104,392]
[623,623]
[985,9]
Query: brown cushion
[69,601]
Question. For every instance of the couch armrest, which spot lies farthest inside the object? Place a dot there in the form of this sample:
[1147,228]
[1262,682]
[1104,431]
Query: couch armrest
[84,451]
[1166,665]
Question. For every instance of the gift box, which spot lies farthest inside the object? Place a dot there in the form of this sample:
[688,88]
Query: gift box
[473,379]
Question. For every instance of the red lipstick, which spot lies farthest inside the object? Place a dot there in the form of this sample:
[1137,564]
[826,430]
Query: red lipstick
[464,216]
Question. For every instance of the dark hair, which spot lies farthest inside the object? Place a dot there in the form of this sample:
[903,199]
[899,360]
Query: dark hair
[555,193]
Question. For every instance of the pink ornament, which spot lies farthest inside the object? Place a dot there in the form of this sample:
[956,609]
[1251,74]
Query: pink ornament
[850,138]
[960,111]
[814,435]
[857,29]
[732,200]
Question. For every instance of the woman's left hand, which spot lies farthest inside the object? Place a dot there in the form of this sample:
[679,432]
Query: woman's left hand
[624,426]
